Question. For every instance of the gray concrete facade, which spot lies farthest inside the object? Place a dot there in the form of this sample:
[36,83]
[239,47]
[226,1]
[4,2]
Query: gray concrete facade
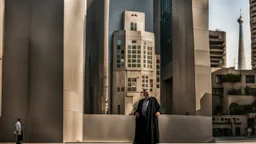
[33,68]
[186,80]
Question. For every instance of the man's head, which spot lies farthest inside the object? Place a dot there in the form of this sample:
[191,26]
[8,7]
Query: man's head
[19,119]
[146,92]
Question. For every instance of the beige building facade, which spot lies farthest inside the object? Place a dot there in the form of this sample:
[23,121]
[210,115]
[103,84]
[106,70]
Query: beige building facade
[134,63]
[233,87]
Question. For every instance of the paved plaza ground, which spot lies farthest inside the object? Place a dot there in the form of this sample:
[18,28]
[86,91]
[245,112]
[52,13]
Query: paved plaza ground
[224,140]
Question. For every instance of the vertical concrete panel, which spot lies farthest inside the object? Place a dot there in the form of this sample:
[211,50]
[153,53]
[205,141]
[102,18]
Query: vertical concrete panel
[2,11]
[183,55]
[46,71]
[74,18]
[15,67]
[202,58]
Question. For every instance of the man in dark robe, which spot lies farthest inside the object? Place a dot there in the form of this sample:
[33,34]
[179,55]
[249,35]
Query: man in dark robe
[147,113]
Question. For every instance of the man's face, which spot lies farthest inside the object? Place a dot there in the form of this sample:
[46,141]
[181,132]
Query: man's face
[146,93]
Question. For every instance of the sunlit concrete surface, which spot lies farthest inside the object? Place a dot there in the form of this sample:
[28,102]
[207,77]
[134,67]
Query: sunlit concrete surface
[172,128]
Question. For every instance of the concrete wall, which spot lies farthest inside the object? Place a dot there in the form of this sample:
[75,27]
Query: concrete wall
[74,55]
[15,67]
[2,11]
[202,57]
[33,69]
[45,71]
[189,70]
[173,128]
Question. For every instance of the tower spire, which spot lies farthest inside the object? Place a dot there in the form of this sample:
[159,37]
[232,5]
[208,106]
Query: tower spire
[241,52]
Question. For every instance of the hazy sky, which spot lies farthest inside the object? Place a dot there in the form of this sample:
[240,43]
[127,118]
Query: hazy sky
[223,14]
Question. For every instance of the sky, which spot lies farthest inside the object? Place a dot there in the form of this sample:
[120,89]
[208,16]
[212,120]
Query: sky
[223,15]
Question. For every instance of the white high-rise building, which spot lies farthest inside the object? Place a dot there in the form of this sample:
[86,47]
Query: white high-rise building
[134,63]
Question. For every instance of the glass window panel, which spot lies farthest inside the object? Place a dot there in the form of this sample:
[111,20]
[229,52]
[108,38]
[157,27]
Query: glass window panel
[129,60]
[133,47]
[139,47]
[129,56]
[133,56]
[133,65]
[134,51]
[129,51]
[118,56]
[138,65]
[129,65]
[129,46]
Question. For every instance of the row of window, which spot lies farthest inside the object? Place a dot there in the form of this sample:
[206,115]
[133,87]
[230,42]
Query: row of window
[132,84]
[248,79]
[134,56]
[226,119]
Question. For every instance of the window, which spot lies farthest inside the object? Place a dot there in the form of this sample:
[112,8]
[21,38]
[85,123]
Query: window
[118,89]
[250,79]
[120,54]
[122,89]
[134,26]
[145,81]
[151,85]
[217,91]
[157,86]
[222,119]
[218,79]
[132,85]
[134,41]
[134,56]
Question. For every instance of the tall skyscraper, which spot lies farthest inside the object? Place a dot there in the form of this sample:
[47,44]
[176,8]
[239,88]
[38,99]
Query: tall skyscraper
[253,32]
[241,52]
[185,68]
[217,48]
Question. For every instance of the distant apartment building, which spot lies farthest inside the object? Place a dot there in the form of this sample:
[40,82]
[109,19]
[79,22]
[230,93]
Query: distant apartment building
[253,32]
[233,102]
[134,63]
[217,48]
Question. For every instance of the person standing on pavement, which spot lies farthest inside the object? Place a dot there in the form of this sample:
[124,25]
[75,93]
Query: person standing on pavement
[18,131]
[147,113]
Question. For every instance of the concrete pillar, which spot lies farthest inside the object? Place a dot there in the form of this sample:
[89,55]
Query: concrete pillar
[74,55]
[2,3]
[105,71]
[15,67]
[202,64]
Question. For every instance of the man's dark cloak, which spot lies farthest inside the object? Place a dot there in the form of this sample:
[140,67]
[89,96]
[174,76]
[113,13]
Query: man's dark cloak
[146,131]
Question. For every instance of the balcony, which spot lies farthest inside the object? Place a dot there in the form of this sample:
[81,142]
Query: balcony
[234,92]
[233,78]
